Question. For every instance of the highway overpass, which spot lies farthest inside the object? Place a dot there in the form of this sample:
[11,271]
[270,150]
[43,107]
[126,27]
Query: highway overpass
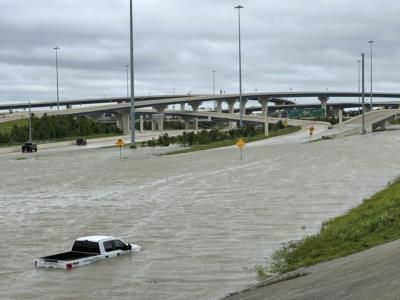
[279,98]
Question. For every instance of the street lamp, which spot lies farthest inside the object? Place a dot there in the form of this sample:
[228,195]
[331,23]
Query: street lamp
[132,79]
[213,71]
[58,97]
[371,42]
[240,70]
[359,83]
[30,122]
[127,80]
[362,94]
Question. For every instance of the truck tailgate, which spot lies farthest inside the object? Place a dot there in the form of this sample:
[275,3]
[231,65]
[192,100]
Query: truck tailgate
[51,263]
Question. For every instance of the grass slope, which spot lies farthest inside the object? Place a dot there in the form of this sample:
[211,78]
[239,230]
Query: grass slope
[376,221]
[6,127]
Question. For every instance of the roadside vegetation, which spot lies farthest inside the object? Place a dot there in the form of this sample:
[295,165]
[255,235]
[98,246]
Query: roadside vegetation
[214,138]
[6,127]
[54,128]
[395,122]
[376,221]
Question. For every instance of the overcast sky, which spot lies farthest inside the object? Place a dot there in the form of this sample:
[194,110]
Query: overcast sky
[298,44]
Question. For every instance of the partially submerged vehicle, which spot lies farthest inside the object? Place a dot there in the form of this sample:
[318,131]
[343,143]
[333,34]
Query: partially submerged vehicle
[87,250]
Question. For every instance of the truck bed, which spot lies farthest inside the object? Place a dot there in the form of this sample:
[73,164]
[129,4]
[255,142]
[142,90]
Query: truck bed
[71,255]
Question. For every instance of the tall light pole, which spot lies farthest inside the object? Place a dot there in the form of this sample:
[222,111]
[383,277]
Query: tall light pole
[213,72]
[362,94]
[30,123]
[58,96]
[370,43]
[132,79]
[240,71]
[127,80]
[359,82]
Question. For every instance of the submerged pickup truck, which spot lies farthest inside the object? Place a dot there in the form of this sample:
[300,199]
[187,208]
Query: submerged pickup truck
[87,250]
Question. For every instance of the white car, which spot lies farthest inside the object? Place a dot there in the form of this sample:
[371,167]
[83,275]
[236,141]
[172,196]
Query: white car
[87,250]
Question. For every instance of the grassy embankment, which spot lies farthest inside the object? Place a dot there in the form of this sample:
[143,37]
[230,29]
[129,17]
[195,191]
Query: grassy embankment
[6,127]
[376,221]
[230,142]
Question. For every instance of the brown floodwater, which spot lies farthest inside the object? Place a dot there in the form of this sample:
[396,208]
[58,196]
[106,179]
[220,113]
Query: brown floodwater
[204,219]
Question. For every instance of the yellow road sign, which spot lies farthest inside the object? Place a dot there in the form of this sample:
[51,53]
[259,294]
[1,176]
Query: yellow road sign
[311,130]
[285,123]
[241,143]
[119,143]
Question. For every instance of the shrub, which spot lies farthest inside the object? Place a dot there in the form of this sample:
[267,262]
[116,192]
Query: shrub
[152,143]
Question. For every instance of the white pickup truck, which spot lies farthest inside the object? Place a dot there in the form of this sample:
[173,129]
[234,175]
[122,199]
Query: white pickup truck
[87,250]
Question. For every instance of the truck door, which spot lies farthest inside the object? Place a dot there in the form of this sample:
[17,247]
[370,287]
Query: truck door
[114,248]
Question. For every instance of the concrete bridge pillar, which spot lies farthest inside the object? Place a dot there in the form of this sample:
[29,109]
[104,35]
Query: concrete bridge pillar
[186,120]
[336,111]
[195,105]
[160,109]
[153,125]
[141,123]
[323,100]
[219,106]
[231,106]
[69,106]
[182,106]
[123,123]
[231,110]
[10,111]
[264,106]
[161,125]
[243,108]
[187,124]
[196,123]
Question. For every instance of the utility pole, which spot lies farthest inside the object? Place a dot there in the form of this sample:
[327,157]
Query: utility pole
[58,97]
[371,42]
[359,83]
[213,72]
[30,122]
[127,80]
[240,71]
[362,94]
[133,140]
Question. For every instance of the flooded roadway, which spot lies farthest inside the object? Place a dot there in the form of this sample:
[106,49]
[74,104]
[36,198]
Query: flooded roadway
[204,219]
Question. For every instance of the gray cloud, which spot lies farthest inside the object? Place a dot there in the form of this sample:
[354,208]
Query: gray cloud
[304,45]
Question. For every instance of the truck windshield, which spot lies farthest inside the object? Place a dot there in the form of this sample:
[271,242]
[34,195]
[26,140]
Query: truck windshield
[86,246]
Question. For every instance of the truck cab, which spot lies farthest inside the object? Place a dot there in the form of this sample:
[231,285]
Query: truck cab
[87,250]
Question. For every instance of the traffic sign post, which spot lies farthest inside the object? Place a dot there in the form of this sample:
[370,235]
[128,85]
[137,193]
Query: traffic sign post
[120,143]
[241,143]
[285,123]
[311,131]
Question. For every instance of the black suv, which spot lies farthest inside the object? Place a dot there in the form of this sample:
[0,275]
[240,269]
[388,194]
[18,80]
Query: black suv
[29,147]
[80,142]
